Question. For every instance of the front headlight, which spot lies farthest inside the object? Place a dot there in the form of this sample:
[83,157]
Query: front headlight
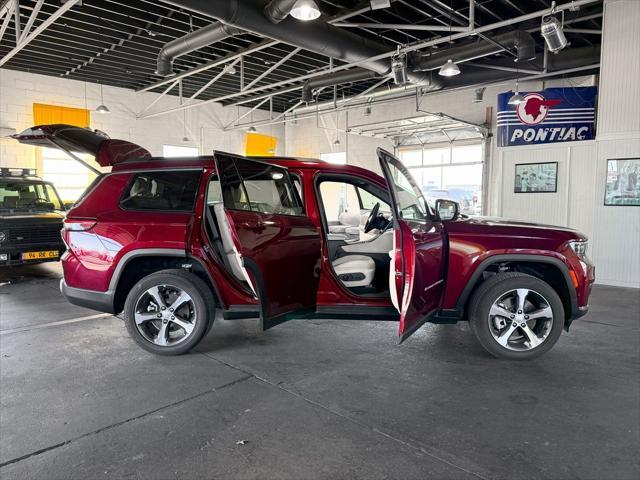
[580,247]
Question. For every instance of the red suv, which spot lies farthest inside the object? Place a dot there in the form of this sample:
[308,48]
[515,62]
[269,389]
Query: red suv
[169,241]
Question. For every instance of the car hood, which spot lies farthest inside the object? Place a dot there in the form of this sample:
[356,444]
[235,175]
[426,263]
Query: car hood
[507,227]
[27,218]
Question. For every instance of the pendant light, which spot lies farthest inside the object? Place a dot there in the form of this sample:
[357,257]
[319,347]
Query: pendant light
[102,108]
[516,99]
[450,68]
[185,139]
[305,10]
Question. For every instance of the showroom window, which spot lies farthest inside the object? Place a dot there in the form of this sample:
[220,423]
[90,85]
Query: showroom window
[453,172]
[69,176]
[179,151]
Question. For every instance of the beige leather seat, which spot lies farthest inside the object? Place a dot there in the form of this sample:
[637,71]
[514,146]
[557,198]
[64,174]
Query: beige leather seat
[355,270]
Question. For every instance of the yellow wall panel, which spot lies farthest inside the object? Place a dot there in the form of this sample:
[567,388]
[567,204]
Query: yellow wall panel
[258,145]
[44,114]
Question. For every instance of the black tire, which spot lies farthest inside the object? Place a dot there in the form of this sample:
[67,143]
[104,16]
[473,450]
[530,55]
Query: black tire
[203,303]
[499,285]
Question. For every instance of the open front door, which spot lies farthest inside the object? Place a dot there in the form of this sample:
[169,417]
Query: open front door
[417,260]
[278,243]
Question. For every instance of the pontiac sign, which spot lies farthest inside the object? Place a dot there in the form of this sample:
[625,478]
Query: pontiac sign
[551,115]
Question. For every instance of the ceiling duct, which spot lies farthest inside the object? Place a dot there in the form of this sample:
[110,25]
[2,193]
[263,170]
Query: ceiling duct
[277,10]
[192,41]
[519,42]
[343,76]
[576,57]
[319,37]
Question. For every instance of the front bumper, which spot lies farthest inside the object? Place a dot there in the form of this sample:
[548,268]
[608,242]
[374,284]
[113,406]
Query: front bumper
[100,301]
[14,254]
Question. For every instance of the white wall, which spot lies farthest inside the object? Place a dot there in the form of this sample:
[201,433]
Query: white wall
[19,90]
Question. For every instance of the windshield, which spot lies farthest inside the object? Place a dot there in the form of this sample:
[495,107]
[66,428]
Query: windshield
[25,196]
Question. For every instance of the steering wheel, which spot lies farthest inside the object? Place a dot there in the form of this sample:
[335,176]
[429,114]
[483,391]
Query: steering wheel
[372,217]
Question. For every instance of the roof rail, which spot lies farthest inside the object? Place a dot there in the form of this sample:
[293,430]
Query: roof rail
[17,172]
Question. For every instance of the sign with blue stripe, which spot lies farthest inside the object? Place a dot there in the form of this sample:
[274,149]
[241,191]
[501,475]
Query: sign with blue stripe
[549,116]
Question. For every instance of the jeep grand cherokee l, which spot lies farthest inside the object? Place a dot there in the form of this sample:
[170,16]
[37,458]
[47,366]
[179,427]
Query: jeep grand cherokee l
[169,241]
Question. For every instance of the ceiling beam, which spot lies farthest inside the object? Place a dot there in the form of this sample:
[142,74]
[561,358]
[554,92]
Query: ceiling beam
[41,28]
[409,48]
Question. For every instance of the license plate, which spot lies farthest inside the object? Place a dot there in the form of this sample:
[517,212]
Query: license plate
[40,255]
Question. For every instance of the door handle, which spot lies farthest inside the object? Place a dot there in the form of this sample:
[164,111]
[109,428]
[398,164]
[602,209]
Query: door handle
[256,227]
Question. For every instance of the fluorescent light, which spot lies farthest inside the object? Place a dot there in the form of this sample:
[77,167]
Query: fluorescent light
[449,69]
[305,10]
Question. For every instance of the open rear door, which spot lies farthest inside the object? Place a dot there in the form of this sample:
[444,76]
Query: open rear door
[278,243]
[417,260]
[70,139]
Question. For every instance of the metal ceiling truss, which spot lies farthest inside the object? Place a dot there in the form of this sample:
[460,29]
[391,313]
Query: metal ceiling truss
[115,42]
[406,49]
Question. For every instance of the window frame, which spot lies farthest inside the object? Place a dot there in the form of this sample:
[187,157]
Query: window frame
[292,187]
[343,177]
[134,174]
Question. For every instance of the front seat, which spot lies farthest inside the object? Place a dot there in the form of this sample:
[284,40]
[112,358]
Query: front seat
[355,270]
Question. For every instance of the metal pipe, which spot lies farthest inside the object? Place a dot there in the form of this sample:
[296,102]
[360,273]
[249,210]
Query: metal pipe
[346,76]
[520,41]
[277,10]
[201,7]
[190,42]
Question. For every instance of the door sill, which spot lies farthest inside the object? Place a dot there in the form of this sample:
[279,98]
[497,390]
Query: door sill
[357,312]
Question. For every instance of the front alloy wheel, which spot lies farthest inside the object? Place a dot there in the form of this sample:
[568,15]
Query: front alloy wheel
[520,319]
[169,312]
[516,316]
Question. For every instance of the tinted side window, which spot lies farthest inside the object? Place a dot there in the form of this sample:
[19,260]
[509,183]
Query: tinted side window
[168,191]
[264,188]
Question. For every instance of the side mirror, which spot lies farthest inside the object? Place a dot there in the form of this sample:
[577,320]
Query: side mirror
[447,209]
[68,205]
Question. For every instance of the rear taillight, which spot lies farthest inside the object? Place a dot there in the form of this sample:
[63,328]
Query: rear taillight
[75,225]
[79,225]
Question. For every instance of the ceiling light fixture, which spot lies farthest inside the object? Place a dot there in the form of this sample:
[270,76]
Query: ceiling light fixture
[305,10]
[252,129]
[551,31]
[102,108]
[399,68]
[449,69]
[516,99]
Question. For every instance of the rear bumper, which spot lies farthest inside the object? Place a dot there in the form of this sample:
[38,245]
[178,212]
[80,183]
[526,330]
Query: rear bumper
[100,301]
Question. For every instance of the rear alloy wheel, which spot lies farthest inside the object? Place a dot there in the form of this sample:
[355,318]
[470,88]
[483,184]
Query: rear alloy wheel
[516,316]
[168,312]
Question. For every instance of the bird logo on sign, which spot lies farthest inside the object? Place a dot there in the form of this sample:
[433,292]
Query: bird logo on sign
[535,108]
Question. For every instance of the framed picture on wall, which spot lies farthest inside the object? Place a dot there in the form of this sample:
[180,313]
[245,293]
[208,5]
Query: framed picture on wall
[623,182]
[536,178]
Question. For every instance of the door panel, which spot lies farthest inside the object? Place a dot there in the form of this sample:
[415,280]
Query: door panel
[280,247]
[417,263]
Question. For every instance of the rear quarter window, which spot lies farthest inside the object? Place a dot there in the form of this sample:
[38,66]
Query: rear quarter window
[162,191]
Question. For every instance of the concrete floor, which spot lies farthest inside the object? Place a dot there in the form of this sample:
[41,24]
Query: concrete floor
[310,399]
